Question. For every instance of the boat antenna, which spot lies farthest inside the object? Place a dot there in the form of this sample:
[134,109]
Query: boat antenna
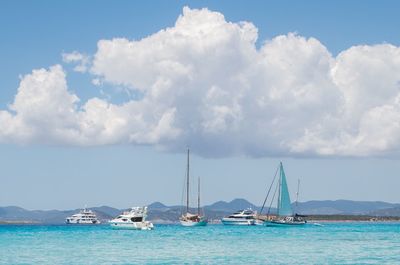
[297,193]
[269,190]
[187,183]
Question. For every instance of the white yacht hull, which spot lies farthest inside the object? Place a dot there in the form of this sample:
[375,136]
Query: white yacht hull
[132,226]
[258,222]
[192,223]
[236,221]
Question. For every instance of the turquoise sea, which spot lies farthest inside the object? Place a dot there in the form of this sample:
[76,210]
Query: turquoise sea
[331,243]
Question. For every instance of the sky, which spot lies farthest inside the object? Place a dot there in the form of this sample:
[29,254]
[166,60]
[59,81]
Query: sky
[100,99]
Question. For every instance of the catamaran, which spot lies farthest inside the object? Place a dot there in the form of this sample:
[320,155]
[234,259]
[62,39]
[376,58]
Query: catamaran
[285,215]
[187,218]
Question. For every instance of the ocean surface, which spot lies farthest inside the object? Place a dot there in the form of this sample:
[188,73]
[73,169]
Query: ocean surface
[331,243]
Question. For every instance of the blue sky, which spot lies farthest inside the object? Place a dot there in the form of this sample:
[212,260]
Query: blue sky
[43,170]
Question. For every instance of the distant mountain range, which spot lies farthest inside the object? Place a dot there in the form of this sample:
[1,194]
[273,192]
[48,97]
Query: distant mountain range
[161,213]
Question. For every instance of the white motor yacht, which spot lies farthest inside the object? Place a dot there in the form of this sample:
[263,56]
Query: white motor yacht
[242,217]
[85,216]
[135,219]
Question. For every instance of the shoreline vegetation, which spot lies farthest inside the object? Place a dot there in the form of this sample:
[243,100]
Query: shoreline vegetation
[19,222]
[352,218]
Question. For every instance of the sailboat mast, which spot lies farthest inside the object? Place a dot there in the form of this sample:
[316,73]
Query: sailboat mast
[198,198]
[187,183]
[279,188]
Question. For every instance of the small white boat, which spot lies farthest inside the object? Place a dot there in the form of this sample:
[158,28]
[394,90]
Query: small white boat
[242,217]
[134,219]
[85,216]
[258,222]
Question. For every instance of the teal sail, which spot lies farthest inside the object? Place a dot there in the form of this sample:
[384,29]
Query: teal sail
[284,205]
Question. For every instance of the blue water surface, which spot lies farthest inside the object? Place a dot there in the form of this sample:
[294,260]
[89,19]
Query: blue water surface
[332,243]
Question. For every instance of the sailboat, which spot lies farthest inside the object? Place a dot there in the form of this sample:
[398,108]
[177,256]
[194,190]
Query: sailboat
[190,219]
[285,215]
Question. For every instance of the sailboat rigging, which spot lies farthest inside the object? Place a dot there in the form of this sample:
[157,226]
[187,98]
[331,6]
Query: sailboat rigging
[189,219]
[285,214]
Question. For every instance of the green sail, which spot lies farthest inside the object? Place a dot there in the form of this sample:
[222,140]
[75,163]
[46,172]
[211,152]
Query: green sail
[284,205]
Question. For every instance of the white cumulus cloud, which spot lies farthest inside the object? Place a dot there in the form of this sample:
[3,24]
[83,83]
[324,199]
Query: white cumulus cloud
[205,84]
[44,111]
[82,61]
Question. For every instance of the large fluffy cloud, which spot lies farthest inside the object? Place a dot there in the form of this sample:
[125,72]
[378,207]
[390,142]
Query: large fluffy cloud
[44,111]
[204,83]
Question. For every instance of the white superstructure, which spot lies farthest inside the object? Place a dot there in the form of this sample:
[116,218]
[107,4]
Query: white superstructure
[135,218]
[242,217]
[85,216]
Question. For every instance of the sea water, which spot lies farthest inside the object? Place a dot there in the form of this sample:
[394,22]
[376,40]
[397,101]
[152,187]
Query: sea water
[330,243]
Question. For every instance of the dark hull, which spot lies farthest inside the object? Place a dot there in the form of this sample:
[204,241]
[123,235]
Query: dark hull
[284,223]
